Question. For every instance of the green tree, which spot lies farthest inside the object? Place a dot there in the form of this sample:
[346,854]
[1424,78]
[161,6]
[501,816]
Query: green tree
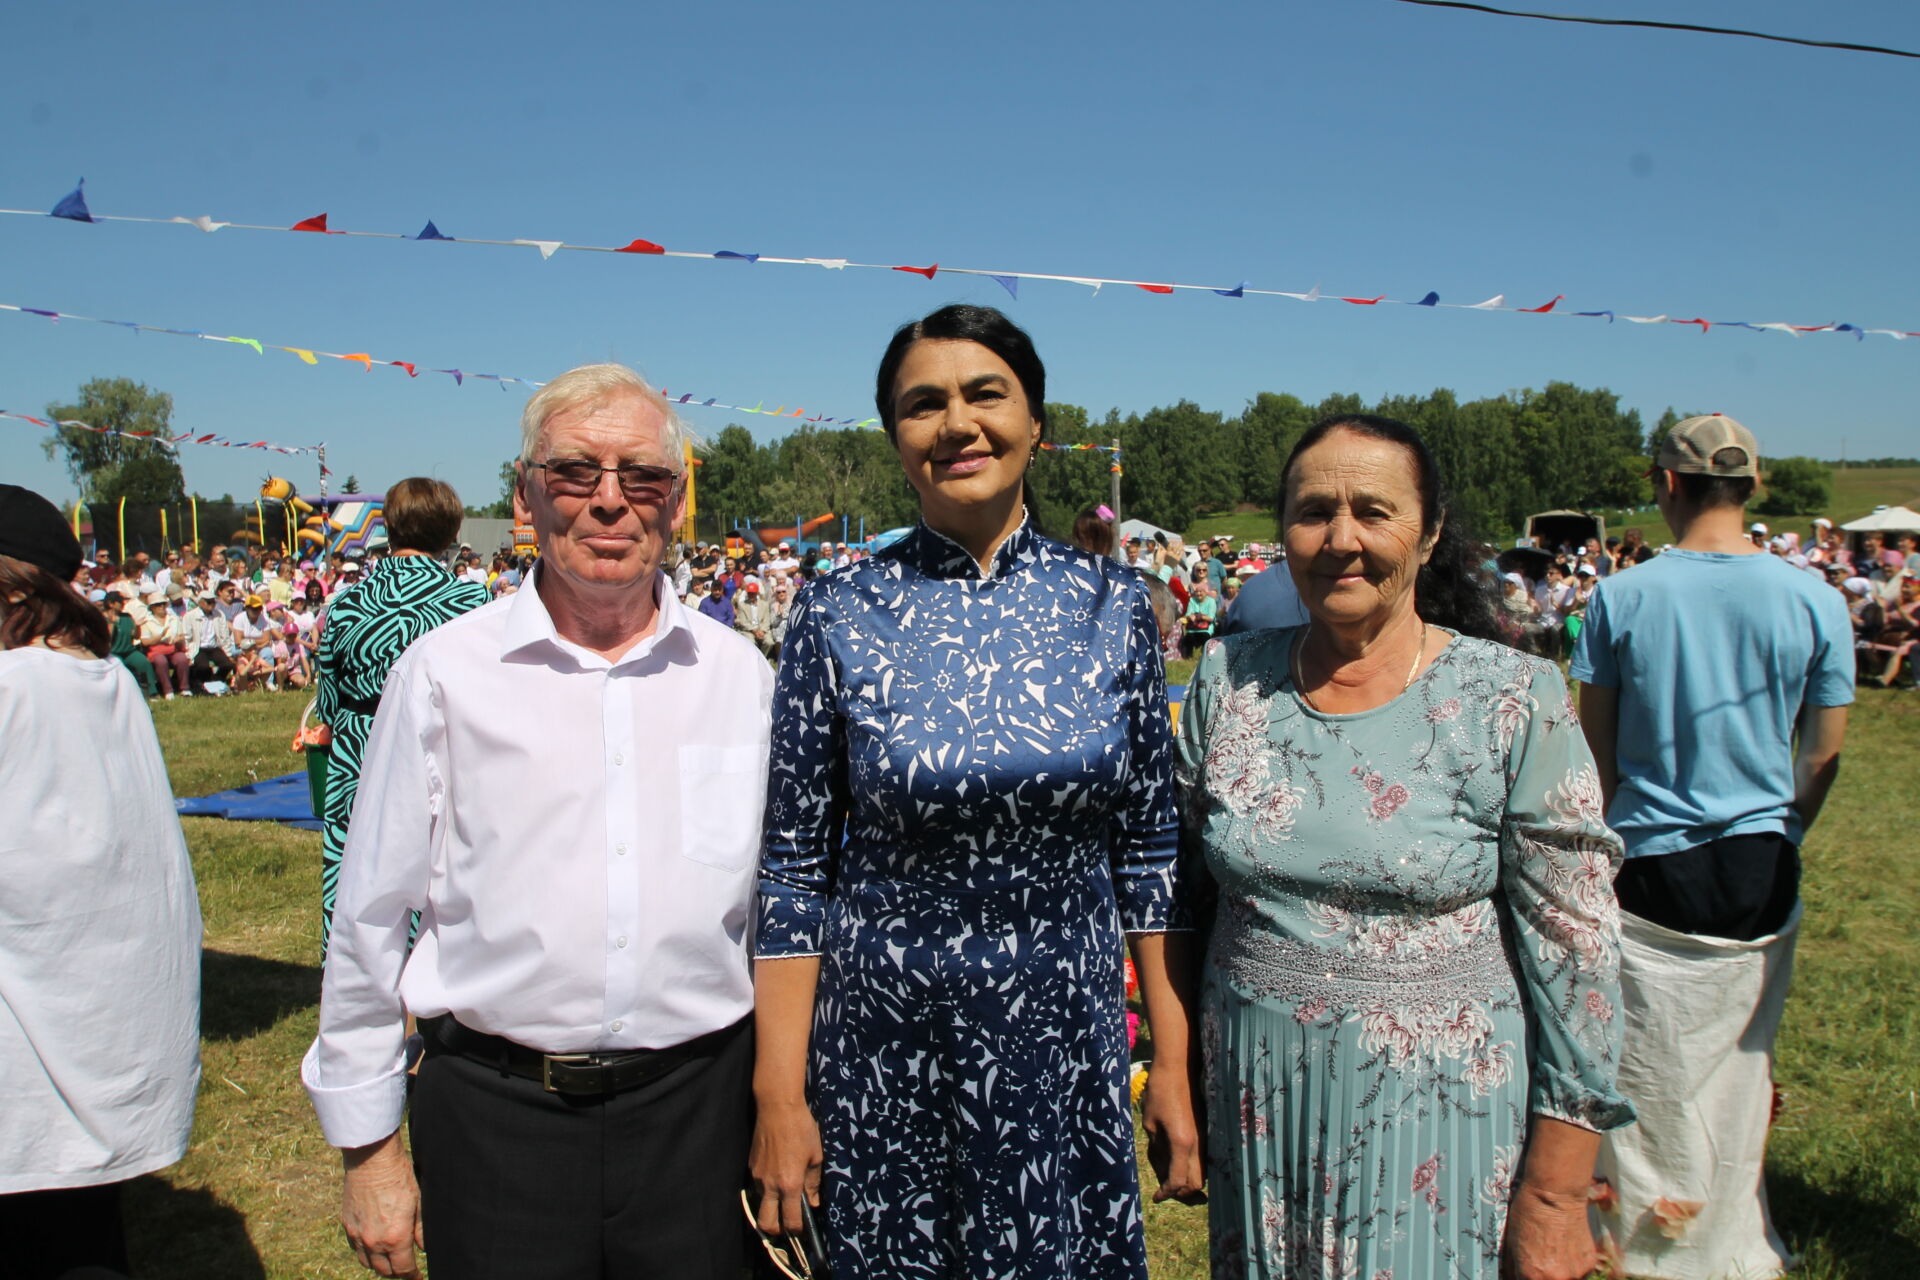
[109,467]
[733,476]
[1067,481]
[1796,486]
[352,485]
[500,508]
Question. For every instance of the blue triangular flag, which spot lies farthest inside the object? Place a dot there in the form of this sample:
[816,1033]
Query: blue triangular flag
[1607,314]
[1238,291]
[744,257]
[1738,324]
[1010,283]
[1431,300]
[1858,333]
[431,232]
[74,206]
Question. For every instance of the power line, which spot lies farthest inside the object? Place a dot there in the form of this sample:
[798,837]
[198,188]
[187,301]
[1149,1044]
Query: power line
[1662,26]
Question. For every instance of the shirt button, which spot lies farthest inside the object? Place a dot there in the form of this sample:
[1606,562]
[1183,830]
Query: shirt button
[616,1024]
[621,941]
[620,849]
[619,757]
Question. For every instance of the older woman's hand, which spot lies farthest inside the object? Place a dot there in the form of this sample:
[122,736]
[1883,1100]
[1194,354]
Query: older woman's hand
[1547,1236]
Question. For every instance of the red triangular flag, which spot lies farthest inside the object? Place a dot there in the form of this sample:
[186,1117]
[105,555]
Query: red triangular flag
[641,246]
[1364,302]
[311,224]
[402,364]
[1540,311]
[921,271]
[1156,288]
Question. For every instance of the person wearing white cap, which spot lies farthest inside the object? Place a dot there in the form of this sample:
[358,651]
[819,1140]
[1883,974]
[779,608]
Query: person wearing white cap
[1715,681]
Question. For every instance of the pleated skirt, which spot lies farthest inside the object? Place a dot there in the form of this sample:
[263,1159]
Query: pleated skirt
[1342,1147]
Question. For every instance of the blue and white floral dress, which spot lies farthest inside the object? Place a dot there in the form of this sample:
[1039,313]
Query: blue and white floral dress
[1416,946]
[970,802]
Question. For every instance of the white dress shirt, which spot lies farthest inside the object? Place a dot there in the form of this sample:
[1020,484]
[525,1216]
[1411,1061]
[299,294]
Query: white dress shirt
[99,931]
[581,839]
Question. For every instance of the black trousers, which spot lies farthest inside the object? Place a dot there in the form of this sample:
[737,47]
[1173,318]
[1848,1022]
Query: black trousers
[1740,887]
[520,1184]
[209,664]
[46,1235]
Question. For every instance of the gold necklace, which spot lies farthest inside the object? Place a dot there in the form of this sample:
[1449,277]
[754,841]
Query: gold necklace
[1299,668]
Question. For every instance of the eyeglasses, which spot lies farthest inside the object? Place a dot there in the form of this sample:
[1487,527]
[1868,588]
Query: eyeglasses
[578,478]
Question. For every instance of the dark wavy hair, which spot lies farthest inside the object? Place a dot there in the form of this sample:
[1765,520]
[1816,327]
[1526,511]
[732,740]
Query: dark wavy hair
[992,330]
[49,610]
[1453,588]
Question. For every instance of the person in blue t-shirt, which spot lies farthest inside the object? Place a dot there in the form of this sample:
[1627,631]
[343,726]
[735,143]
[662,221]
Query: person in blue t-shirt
[1715,680]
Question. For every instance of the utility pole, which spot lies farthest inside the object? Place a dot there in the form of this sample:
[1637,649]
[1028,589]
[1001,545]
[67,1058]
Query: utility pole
[1114,470]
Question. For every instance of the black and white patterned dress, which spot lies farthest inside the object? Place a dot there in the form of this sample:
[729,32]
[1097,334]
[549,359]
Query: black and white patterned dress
[367,628]
[970,802]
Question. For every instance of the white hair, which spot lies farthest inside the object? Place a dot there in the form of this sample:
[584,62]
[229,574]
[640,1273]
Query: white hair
[591,384]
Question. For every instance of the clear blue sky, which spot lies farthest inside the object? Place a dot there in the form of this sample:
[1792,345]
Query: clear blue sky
[1364,146]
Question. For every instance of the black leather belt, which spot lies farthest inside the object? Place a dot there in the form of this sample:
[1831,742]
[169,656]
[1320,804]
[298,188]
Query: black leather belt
[574,1074]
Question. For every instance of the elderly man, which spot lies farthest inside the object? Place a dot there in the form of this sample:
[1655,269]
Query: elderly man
[566,785]
[753,615]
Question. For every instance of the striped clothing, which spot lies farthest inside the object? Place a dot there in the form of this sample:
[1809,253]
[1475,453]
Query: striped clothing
[368,627]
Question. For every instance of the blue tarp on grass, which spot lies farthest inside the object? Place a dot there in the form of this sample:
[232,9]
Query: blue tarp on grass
[284,799]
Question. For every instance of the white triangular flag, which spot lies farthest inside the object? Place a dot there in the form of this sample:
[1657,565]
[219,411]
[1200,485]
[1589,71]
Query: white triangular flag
[1494,303]
[546,247]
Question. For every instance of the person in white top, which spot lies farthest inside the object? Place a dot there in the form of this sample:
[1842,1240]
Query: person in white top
[567,785]
[99,922]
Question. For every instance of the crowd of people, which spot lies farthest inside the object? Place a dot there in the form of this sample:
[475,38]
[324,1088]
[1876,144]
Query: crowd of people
[1419,947]
[241,619]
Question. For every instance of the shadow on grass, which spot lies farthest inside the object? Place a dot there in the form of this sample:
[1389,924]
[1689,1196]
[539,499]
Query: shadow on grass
[187,1233]
[1861,1231]
[241,996]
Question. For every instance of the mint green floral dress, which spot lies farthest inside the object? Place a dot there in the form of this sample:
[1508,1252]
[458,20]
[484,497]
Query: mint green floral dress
[1416,945]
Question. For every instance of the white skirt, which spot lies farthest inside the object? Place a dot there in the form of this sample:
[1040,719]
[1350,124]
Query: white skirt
[1701,1015]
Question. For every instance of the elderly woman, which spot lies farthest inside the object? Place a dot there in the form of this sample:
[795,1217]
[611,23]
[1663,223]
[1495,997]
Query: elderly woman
[408,593]
[1409,996]
[981,712]
[99,923]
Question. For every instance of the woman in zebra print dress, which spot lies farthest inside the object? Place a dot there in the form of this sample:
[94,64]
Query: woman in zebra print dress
[368,627]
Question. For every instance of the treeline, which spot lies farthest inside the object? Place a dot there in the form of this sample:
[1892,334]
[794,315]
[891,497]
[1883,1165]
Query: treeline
[1505,458]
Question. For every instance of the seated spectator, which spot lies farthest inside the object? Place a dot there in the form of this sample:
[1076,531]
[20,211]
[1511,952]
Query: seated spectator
[122,641]
[253,658]
[163,638]
[716,604]
[1892,643]
[1203,610]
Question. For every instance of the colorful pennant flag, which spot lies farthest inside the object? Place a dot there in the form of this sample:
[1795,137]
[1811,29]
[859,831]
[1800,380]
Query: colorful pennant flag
[366,360]
[73,207]
[185,437]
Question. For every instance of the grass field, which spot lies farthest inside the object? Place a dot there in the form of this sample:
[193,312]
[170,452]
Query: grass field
[257,1194]
[1856,492]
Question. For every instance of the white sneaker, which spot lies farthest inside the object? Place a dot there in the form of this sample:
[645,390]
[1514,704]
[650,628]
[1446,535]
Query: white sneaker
[168,698]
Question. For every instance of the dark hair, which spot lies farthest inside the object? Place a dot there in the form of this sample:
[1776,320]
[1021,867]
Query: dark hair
[1092,534]
[1708,493]
[52,611]
[992,330]
[422,514]
[1453,588]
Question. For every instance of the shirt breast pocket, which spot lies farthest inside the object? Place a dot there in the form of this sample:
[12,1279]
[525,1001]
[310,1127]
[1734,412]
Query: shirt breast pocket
[722,794]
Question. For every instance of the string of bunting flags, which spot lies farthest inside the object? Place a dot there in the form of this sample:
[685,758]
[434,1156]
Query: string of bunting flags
[1113,449]
[185,437]
[313,355]
[73,207]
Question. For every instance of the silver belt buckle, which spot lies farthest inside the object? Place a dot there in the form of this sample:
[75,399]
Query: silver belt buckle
[565,1059]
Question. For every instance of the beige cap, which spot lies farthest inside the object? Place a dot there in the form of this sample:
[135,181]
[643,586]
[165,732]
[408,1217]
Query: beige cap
[1691,448]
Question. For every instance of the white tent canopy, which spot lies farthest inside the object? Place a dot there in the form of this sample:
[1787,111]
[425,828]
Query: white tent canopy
[1142,530]
[1886,520]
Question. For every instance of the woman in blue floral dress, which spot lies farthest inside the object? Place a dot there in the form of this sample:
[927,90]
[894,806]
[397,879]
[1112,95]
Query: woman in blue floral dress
[970,804]
[1410,994]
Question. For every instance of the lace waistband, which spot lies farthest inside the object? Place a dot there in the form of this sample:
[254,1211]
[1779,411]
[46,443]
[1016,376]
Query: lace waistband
[1419,966]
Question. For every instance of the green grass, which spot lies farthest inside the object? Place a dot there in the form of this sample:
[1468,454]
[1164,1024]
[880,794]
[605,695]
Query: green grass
[257,1195]
[1856,491]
